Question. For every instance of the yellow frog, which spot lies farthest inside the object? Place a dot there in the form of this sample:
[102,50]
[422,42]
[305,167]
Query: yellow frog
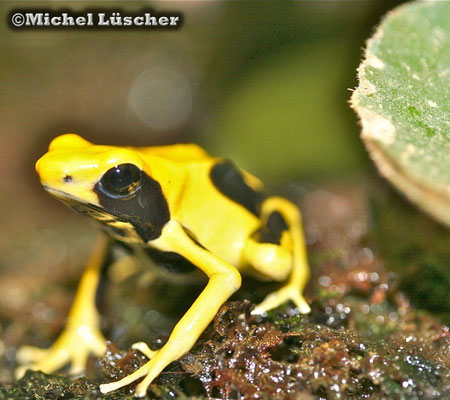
[181,206]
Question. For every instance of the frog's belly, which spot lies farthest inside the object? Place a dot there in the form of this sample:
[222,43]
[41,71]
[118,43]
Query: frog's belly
[177,264]
[170,261]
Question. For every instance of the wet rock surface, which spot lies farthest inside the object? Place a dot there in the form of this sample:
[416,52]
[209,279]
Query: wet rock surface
[368,335]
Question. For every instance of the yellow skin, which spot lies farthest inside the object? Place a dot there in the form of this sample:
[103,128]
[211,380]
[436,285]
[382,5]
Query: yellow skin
[206,227]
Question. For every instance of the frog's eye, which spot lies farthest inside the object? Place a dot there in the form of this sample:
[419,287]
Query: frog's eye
[122,180]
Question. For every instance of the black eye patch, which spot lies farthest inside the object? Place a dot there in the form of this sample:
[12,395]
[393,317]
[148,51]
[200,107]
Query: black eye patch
[144,206]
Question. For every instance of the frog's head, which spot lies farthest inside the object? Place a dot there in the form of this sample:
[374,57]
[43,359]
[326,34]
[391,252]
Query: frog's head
[111,184]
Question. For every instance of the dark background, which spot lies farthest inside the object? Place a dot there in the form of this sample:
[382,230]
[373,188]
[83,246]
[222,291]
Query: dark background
[265,84]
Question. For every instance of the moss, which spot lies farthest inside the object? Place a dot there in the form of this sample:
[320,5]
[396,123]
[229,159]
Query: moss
[283,358]
[363,339]
[40,386]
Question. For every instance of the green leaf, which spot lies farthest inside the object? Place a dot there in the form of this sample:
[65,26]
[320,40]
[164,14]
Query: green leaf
[403,102]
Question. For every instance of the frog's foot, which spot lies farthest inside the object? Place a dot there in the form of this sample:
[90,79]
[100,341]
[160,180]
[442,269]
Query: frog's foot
[279,297]
[73,346]
[159,360]
[144,349]
[141,389]
[149,370]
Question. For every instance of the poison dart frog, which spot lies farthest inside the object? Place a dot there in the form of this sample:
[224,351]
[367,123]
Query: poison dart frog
[179,205]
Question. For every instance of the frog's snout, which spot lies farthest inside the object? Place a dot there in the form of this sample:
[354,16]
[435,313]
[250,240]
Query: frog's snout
[61,176]
[51,172]
[39,166]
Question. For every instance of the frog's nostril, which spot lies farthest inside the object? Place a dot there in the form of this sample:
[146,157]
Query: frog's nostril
[67,179]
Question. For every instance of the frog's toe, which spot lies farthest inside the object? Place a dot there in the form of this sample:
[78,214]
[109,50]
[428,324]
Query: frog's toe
[270,302]
[139,373]
[279,297]
[30,354]
[19,372]
[141,389]
[144,349]
[78,362]
[301,304]
[50,361]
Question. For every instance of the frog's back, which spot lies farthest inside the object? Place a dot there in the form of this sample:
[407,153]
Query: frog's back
[190,159]
[188,152]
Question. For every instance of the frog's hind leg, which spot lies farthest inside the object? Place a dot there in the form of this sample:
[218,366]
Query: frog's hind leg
[290,237]
[269,258]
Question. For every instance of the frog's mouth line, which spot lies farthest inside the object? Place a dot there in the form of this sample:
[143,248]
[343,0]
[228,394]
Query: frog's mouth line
[62,195]
[81,206]
[68,198]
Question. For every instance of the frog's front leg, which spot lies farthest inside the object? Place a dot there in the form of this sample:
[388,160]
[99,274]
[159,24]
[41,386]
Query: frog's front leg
[224,280]
[81,336]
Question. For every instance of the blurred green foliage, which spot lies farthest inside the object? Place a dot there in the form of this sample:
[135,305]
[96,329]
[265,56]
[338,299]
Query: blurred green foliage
[284,118]
[417,249]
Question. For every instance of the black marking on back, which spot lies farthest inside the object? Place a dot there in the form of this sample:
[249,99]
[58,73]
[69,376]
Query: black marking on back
[146,210]
[170,261]
[227,178]
[273,229]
